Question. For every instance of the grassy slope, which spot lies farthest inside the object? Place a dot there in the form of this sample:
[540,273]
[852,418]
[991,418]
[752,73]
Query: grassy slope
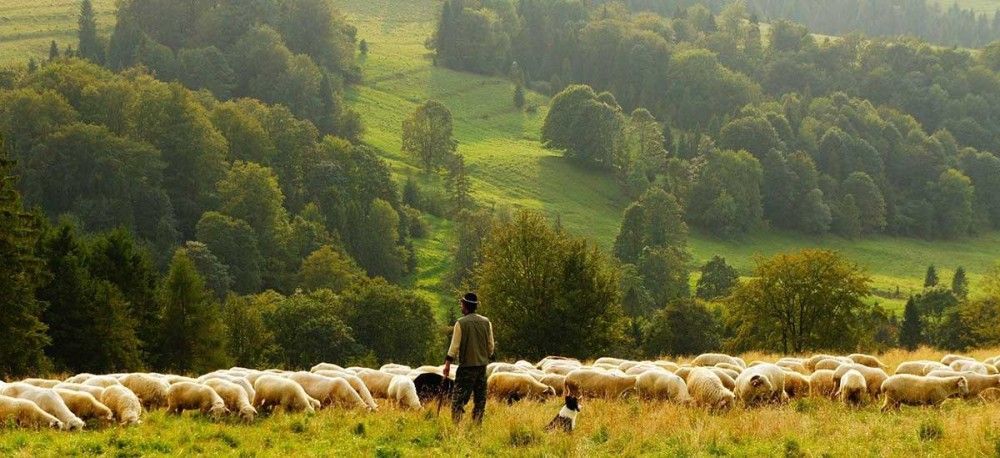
[28,26]
[619,428]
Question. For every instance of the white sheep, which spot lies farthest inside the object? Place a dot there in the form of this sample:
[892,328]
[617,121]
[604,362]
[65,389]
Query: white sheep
[123,403]
[277,391]
[853,388]
[234,396]
[587,382]
[85,405]
[403,392]
[151,390]
[707,390]
[48,400]
[918,390]
[514,387]
[760,384]
[183,396]
[26,414]
[328,390]
[662,385]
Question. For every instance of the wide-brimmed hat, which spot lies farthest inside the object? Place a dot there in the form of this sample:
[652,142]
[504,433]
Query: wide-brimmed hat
[470,299]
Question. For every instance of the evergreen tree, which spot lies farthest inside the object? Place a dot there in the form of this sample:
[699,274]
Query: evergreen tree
[931,277]
[363,47]
[22,333]
[959,283]
[519,96]
[32,65]
[717,279]
[89,45]
[53,51]
[910,334]
[631,237]
[458,184]
[192,334]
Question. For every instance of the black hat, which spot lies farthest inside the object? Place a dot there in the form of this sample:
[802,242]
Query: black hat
[470,299]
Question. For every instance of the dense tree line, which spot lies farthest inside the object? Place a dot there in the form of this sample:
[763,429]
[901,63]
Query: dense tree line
[851,136]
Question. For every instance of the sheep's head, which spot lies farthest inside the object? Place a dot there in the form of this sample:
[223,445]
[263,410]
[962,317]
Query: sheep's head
[549,391]
[56,424]
[963,385]
[218,410]
[248,413]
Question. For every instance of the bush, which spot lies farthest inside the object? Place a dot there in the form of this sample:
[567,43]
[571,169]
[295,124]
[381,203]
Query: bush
[930,430]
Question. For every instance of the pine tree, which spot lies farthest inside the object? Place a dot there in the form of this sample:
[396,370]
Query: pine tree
[32,65]
[363,47]
[53,51]
[519,96]
[192,335]
[960,283]
[910,334]
[931,278]
[22,333]
[89,45]
[631,236]
[458,184]
[331,111]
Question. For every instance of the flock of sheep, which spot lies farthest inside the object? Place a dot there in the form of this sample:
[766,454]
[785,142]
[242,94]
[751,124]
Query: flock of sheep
[713,381]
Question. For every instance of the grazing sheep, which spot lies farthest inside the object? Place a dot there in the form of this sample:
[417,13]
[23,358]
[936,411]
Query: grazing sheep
[609,361]
[234,396]
[328,390]
[796,385]
[948,359]
[41,382]
[977,382]
[26,414]
[867,360]
[793,366]
[396,369]
[662,385]
[514,387]
[853,388]
[495,368]
[548,360]
[556,381]
[728,379]
[625,366]
[277,391]
[403,392]
[964,365]
[561,369]
[810,363]
[917,390]
[356,383]
[123,403]
[711,359]
[669,366]
[79,378]
[152,391]
[642,368]
[102,381]
[326,367]
[241,381]
[94,391]
[48,400]
[85,405]
[732,368]
[707,390]
[922,367]
[990,395]
[377,382]
[172,379]
[684,371]
[873,377]
[821,383]
[761,384]
[830,364]
[596,383]
[183,396]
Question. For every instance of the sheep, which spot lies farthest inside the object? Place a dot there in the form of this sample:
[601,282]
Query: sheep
[642,368]
[234,396]
[241,381]
[596,383]
[152,391]
[866,360]
[873,377]
[560,369]
[831,364]
[542,363]
[277,391]
[917,390]
[853,388]
[669,366]
[403,392]
[810,363]
[796,385]
[514,387]
[123,403]
[326,367]
[41,382]
[328,390]
[761,383]
[48,400]
[948,359]
[964,365]
[356,383]
[626,365]
[396,369]
[821,383]
[707,390]
[79,378]
[662,385]
[85,405]
[977,382]
[684,371]
[711,359]
[26,414]
[493,368]
[94,391]
[183,396]
[172,379]
[377,382]
[728,380]
[922,367]
[609,361]
[102,381]
[556,381]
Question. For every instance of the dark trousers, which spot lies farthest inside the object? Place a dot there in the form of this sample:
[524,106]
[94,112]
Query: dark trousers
[469,382]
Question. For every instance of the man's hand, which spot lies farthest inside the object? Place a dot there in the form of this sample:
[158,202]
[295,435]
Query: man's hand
[447,369]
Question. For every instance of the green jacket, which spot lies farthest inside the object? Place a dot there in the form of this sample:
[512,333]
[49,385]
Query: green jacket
[472,341]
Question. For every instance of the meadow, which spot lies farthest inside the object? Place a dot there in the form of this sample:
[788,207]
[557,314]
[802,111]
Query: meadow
[629,427]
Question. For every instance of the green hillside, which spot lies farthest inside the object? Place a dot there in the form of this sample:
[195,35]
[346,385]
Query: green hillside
[28,26]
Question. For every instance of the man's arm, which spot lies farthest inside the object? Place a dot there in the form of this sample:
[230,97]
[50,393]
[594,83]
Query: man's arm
[491,343]
[456,341]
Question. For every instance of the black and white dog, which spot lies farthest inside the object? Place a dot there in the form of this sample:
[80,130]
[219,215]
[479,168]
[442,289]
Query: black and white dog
[566,420]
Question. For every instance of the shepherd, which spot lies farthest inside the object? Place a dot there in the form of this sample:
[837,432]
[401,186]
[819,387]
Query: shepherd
[473,348]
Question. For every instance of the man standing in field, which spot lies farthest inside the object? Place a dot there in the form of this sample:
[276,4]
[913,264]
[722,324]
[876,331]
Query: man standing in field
[472,345]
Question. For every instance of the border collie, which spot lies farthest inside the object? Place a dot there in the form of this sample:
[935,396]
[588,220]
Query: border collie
[566,419]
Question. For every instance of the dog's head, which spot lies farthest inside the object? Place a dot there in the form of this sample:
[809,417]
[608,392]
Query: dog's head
[572,403]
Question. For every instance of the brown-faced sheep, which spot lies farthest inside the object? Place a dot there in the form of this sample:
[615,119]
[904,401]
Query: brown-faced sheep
[123,403]
[85,406]
[26,414]
[707,390]
[183,396]
[102,381]
[359,385]
[821,383]
[556,381]
[662,385]
[922,367]
[234,396]
[759,384]
[513,387]
[328,390]
[867,360]
[796,385]
[873,377]
[48,400]
[403,392]
[94,391]
[917,390]
[977,382]
[41,382]
[853,389]
[151,390]
[711,359]
[277,391]
[598,384]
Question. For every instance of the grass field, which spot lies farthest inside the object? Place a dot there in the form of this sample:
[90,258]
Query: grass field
[807,427]
[28,26]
